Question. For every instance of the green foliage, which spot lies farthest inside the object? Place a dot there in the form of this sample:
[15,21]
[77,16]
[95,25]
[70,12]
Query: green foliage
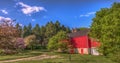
[44,33]
[56,42]
[27,30]
[106,28]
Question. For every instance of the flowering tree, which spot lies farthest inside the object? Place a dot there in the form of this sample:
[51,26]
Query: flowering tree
[8,33]
[20,44]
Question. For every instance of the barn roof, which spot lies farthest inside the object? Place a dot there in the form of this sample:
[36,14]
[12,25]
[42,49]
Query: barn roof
[79,33]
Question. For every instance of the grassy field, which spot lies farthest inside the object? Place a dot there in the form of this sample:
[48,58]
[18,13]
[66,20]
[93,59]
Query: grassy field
[24,54]
[75,58]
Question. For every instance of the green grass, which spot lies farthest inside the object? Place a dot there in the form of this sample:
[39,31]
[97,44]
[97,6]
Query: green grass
[24,54]
[75,58]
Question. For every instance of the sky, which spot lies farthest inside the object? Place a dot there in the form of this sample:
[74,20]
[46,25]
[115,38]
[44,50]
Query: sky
[71,13]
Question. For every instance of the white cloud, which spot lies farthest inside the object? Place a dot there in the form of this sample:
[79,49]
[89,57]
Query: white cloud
[5,18]
[4,11]
[28,10]
[88,14]
[33,19]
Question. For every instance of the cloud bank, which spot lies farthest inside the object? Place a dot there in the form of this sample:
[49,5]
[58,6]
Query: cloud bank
[5,18]
[28,10]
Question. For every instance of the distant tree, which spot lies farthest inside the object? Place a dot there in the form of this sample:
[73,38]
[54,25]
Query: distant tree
[67,29]
[57,25]
[44,33]
[36,30]
[106,28]
[43,37]
[50,31]
[63,28]
[82,28]
[27,30]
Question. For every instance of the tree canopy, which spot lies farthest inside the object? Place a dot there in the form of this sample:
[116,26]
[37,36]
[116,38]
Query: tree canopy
[57,41]
[8,35]
[106,28]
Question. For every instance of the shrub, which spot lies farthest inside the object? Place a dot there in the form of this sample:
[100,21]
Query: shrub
[20,44]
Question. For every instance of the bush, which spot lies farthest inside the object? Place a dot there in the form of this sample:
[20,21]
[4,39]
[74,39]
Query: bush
[20,44]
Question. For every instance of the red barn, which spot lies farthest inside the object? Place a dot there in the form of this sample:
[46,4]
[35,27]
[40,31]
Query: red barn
[82,43]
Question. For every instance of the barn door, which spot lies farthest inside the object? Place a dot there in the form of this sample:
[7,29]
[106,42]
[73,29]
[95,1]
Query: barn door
[82,51]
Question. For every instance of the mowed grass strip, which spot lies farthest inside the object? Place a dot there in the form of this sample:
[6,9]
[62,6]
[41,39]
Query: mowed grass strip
[24,54]
[75,58]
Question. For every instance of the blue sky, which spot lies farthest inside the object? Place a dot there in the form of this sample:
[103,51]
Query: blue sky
[72,13]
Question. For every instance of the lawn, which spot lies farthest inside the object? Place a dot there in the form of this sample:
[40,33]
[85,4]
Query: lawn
[75,58]
[24,54]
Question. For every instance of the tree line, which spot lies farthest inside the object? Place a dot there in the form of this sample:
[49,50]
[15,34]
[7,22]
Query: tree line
[14,38]
[42,33]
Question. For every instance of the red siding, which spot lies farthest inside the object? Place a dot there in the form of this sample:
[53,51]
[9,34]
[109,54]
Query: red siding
[95,44]
[83,42]
[80,42]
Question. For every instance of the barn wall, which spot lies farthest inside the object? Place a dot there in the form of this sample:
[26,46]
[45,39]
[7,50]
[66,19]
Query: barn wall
[85,45]
[80,42]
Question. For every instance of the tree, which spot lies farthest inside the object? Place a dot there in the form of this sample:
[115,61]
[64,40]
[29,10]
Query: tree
[57,25]
[20,44]
[58,41]
[30,42]
[106,28]
[36,30]
[19,29]
[43,37]
[27,30]
[8,35]
[50,31]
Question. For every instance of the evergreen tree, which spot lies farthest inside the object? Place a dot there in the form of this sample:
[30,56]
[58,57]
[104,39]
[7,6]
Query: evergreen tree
[29,29]
[57,25]
[36,30]
[25,31]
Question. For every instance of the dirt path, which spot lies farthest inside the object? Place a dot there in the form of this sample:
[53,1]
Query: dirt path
[31,58]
